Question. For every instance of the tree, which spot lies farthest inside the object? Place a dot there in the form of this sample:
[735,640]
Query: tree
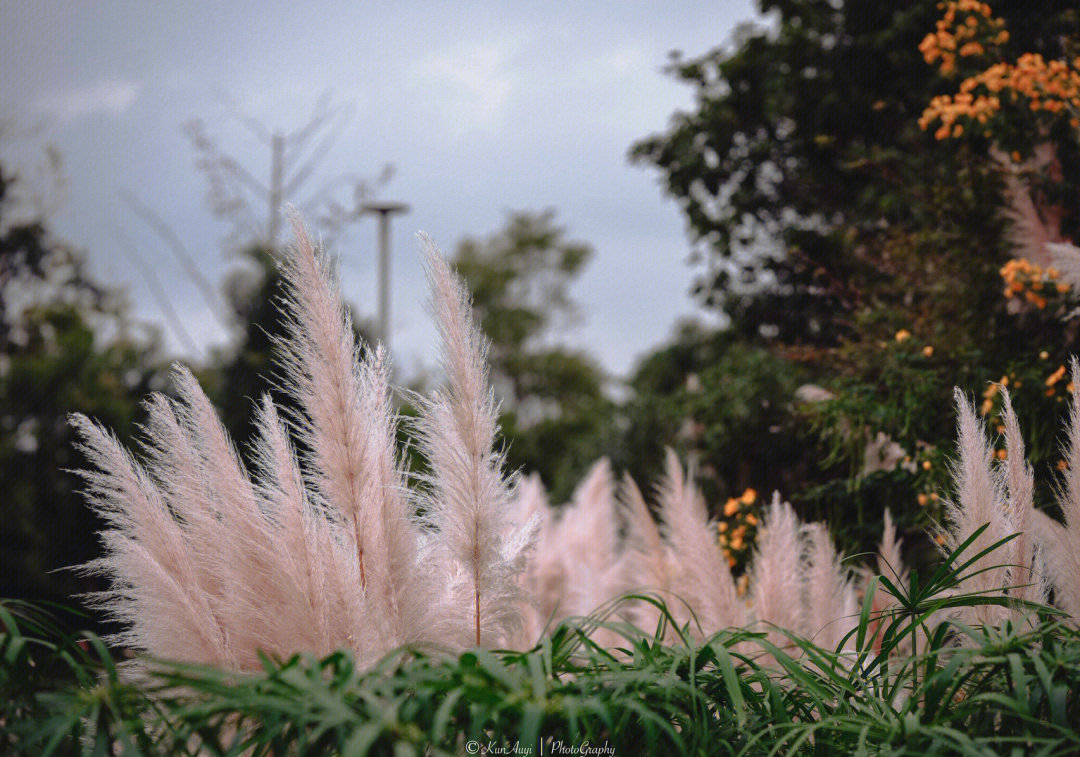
[554,410]
[841,237]
[66,345]
[810,190]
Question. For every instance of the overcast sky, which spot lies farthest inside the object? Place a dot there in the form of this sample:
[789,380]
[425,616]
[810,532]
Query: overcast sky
[480,107]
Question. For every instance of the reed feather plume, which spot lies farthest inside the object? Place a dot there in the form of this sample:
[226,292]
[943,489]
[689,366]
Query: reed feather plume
[323,544]
[829,591]
[322,549]
[1059,544]
[701,575]
[980,501]
[1025,580]
[776,575]
[469,495]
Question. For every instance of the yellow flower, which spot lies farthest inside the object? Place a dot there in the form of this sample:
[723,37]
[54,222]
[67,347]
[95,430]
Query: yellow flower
[1002,454]
[1044,355]
[722,526]
[926,465]
[731,507]
[751,519]
[1062,464]
[748,496]
[903,335]
[1056,376]
[923,499]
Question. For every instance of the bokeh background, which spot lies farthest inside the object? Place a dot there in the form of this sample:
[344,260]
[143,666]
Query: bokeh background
[732,228]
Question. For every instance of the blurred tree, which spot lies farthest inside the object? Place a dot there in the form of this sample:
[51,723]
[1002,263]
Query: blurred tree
[555,412]
[66,345]
[811,191]
[725,405]
[858,251]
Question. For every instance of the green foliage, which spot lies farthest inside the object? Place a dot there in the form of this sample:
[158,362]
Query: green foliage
[965,691]
[728,405]
[66,345]
[857,252]
[803,164]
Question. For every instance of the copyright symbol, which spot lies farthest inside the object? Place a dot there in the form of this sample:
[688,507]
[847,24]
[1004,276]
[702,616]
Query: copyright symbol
[472,747]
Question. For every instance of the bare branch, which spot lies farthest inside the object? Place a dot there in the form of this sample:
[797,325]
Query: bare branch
[172,318]
[169,236]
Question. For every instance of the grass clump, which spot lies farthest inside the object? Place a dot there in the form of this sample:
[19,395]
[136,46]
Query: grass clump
[963,690]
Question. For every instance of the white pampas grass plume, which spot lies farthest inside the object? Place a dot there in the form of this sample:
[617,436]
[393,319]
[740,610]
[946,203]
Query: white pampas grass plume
[1024,584]
[588,540]
[980,501]
[1060,544]
[1059,562]
[1065,257]
[348,427]
[831,606]
[648,557]
[1035,227]
[701,576]
[776,585]
[156,592]
[890,560]
[305,537]
[890,564]
[469,495]
[542,579]
[212,564]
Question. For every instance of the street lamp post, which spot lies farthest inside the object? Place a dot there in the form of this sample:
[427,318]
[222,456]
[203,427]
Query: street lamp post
[384,211]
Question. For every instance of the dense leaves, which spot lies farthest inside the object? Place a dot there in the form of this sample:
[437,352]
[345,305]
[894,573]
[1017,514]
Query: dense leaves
[858,252]
[998,688]
[66,344]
